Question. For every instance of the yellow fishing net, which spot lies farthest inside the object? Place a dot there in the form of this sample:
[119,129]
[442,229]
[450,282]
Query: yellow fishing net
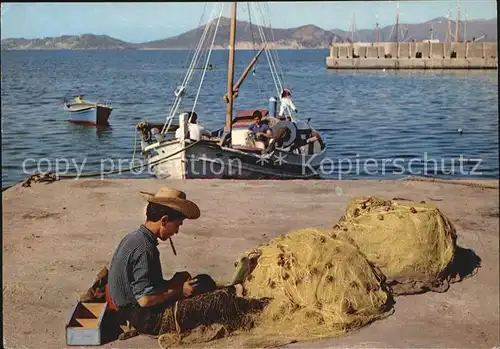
[325,283]
[320,286]
[412,243]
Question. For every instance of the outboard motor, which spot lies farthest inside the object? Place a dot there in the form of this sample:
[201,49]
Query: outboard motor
[291,133]
[303,130]
[273,107]
[286,131]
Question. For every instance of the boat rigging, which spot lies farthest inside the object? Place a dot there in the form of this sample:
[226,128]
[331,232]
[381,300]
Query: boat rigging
[295,150]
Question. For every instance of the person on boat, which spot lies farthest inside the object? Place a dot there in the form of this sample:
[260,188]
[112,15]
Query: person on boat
[258,130]
[286,105]
[195,130]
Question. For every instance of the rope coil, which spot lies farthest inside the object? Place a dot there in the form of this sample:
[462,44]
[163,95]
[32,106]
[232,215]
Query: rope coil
[51,177]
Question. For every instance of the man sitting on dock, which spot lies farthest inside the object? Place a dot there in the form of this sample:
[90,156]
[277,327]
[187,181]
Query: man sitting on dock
[135,282]
[259,130]
[135,285]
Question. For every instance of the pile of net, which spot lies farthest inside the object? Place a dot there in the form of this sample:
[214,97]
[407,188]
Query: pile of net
[313,284]
[320,286]
[412,243]
[206,317]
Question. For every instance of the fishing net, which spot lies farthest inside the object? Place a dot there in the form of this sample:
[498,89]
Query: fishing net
[412,243]
[208,316]
[320,286]
[314,286]
[222,306]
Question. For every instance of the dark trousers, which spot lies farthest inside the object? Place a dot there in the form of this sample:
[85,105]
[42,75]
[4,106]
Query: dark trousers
[146,320]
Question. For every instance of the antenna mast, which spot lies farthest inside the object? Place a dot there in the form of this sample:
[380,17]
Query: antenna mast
[353,29]
[397,22]
[395,27]
[465,27]
[448,34]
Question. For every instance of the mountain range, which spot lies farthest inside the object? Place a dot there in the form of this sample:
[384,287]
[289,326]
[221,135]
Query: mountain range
[247,36]
[422,31]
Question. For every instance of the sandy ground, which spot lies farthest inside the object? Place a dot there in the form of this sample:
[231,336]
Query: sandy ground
[56,237]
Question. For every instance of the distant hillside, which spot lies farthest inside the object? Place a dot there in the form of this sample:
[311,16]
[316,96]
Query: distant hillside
[308,36]
[422,31]
[67,42]
[304,37]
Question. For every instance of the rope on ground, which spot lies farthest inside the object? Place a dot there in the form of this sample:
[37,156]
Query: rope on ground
[449,181]
[51,177]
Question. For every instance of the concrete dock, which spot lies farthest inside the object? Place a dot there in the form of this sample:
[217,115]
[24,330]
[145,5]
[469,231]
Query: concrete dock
[413,55]
[57,236]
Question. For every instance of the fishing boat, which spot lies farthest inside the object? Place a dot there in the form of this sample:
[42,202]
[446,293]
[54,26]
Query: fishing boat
[295,152]
[85,112]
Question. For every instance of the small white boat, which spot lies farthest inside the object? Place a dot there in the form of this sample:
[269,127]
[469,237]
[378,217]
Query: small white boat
[85,112]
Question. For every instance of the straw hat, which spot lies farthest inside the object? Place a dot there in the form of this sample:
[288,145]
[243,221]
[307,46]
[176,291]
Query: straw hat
[174,199]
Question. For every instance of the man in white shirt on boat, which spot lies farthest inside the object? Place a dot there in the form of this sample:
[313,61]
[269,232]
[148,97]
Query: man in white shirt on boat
[195,130]
[286,105]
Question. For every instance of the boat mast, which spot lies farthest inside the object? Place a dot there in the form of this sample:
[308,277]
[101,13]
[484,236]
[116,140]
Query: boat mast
[229,107]
[397,23]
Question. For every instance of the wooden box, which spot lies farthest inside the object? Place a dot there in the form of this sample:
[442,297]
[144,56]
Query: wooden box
[85,324]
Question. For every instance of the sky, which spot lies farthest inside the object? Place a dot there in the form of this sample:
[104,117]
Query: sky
[140,22]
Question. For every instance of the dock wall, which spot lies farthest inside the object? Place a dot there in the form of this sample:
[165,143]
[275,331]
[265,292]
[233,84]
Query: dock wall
[413,55]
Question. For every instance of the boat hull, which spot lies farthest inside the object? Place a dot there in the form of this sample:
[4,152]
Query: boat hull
[208,160]
[93,116]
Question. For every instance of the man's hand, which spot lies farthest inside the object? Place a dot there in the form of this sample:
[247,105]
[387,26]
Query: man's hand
[262,134]
[179,279]
[189,287]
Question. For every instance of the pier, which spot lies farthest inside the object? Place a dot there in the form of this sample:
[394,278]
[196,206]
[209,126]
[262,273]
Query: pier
[57,236]
[413,55]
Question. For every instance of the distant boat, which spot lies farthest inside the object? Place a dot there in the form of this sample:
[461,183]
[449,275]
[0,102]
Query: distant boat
[88,113]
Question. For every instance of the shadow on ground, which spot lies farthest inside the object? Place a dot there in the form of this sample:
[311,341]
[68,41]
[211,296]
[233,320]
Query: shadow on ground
[466,263]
